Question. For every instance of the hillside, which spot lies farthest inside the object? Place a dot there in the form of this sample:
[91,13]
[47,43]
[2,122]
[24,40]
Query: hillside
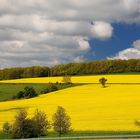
[90,106]
[80,79]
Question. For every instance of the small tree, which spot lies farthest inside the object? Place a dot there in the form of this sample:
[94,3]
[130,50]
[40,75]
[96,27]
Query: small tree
[41,122]
[24,127]
[20,125]
[7,127]
[103,81]
[67,79]
[61,121]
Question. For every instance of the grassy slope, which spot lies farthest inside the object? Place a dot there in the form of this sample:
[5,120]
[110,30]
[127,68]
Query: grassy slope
[7,91]
[91,107]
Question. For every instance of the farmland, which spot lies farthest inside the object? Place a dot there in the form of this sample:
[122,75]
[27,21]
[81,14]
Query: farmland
[132,79]
[90,106]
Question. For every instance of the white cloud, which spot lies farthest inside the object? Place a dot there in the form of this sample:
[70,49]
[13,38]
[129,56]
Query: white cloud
[101,30]
[47,32]
[130,53]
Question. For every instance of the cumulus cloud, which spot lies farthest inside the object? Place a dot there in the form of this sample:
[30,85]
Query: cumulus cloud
[101,30]
[130,53]
[48,32]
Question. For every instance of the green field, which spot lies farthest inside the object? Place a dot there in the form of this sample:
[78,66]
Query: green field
[7,91]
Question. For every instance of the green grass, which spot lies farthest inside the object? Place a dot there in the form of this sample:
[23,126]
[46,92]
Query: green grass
[4,136]
[95,133]
[83,133]
[7,91]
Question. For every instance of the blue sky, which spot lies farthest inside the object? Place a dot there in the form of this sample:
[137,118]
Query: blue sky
[51,32]
[123,37]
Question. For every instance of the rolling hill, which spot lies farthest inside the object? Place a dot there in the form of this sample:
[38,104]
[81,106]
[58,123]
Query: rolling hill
[90,106]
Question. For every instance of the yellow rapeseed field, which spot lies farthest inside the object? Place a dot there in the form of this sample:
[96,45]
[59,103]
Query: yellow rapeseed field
[81,79]
[90,106]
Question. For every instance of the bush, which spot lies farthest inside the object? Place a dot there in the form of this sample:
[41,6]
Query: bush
[28,92]
[61,121]
[51,87]
[20,94]
[66,79]
[7,127]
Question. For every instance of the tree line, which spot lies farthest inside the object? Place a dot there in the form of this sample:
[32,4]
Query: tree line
[96,67]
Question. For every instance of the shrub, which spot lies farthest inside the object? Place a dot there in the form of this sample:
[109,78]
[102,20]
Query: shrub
[20,94]
[28,92]
[7,127]
[51,87]
[67,79]
[61,121]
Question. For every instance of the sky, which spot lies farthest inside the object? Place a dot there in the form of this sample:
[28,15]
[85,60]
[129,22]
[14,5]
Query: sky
[51,32]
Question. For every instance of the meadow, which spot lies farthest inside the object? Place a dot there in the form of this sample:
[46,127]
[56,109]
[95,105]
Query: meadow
[9,90]
[91,107]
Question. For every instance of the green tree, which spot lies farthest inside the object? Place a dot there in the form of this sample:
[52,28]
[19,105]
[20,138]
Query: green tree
[22,126]
[67,79]
[41,123]
[103,81]
[61,121]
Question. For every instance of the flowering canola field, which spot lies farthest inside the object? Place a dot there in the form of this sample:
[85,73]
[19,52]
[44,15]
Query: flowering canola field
[90,106]
[80,79]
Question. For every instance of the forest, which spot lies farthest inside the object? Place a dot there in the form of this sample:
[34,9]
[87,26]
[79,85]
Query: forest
[82,68]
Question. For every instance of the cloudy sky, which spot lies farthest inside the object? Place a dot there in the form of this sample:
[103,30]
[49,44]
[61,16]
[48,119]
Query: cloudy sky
[49,32]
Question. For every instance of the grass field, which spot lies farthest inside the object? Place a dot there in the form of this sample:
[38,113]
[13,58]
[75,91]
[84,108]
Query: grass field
[90,106]
[7,91]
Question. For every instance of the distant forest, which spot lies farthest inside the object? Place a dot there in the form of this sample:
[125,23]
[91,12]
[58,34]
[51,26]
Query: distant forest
[83,68]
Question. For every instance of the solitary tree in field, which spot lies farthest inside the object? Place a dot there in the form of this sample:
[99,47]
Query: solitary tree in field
[61,121]
[103,81]
[66,79]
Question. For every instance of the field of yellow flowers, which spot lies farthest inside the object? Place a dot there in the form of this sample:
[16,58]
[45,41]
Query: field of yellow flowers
[90,106]
[81,79]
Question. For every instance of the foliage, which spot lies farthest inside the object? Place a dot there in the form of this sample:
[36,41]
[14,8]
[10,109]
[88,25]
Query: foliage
[103,81]
[97,67]
[66,79]
[137,123]
[61,121]
[7,127]
[25,127]
[56,86]
[41,122]
[28,92]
